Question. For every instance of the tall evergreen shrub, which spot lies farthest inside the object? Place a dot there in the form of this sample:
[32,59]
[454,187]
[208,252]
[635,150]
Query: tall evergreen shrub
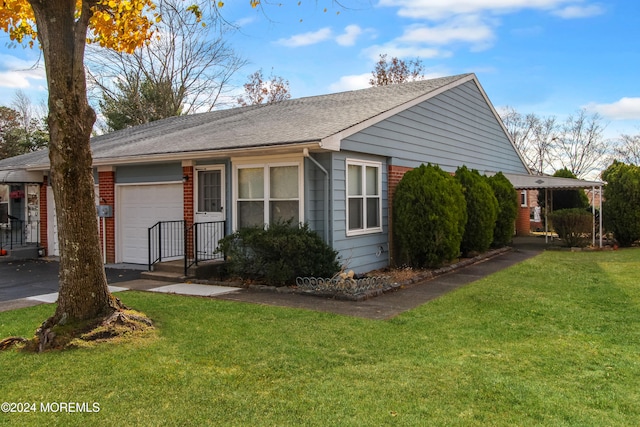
[429,214]
[482,211]
[507,198]
[621,204]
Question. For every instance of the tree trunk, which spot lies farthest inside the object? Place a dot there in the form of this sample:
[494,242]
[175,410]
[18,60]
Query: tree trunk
[83,292]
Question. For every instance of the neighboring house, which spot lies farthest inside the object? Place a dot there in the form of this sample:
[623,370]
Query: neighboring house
[332,161]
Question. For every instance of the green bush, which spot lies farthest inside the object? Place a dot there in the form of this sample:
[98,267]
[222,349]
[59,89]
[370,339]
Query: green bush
[621,204]
[482,211]
[507,198]
[564,199]
[278,254]
[429,214]
[574,226]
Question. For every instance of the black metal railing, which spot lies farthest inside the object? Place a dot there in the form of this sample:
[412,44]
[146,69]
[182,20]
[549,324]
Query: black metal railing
[17,233]
[169,240]
[202,239]
[166,241]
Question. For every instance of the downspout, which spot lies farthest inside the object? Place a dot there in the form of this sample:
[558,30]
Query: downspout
[305,153]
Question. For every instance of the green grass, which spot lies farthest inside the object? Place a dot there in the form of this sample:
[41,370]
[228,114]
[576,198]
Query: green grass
[554,341]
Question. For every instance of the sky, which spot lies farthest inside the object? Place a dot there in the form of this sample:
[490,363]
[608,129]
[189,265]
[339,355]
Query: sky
[548,57]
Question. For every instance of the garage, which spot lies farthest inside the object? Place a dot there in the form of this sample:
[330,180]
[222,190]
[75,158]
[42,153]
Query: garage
[140,207]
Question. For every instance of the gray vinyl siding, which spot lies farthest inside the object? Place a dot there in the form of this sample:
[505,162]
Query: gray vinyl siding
[149,173]
[452,129]
[357,253]
[314,194]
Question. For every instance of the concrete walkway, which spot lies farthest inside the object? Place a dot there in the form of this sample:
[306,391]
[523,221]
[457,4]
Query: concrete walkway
[393,303]
[138,285]
[382,307]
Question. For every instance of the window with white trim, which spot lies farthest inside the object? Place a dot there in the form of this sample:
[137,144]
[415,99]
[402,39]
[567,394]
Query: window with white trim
[268,193]
[364,197]
[523,198]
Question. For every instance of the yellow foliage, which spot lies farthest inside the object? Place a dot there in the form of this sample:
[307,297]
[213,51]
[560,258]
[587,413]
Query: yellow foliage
[16,18]
[118,25]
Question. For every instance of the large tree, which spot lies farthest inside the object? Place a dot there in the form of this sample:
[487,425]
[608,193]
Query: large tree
[9,133]
[33,123]
[580,146]
[259,90]
[627,149]
[533,136]
[20,131]
[396,71]
[186,70]
[61,28]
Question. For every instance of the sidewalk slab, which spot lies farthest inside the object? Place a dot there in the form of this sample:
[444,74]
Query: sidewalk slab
[53,297]
[194,289]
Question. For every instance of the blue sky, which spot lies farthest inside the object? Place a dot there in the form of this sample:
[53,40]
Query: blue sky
[549,57]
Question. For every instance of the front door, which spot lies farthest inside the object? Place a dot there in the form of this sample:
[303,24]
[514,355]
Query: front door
[210,209]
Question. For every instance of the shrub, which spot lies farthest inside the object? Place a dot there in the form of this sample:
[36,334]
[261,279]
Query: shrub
[564,199]
[574,226]
[278,254]
[507,198]
[621,204]
[429,214]
[482,211]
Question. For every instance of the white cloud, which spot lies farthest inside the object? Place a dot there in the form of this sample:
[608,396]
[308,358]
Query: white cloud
[307,39]
[351,34]
[17,73]
[353,82]
[441,9]
[466,29]
[577,11]
[400,50]
[624,109]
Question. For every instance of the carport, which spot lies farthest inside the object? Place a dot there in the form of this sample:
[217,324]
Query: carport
[550,183]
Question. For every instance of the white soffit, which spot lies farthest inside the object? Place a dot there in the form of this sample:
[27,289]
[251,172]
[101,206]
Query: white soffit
[17,176]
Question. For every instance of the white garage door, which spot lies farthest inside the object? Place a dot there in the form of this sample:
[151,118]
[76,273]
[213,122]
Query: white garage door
[140,207]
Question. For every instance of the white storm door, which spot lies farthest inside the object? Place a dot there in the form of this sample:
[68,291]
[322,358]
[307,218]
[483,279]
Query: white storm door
[210,206]
[52,225]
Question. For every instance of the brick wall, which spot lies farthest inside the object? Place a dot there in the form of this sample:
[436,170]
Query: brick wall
[188,208]
[106,191]
[44,217]
[523,223]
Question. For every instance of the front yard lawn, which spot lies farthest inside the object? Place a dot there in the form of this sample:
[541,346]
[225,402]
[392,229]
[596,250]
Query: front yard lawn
[553,341]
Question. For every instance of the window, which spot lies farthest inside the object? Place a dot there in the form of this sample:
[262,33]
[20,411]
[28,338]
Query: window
[267,194]
[523,198]
[4,204]
[364,198]
[209,191]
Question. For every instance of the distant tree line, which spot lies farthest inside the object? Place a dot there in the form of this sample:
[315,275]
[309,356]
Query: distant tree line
[22,128]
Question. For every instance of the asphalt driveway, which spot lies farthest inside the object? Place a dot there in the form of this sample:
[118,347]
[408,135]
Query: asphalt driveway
[21,279]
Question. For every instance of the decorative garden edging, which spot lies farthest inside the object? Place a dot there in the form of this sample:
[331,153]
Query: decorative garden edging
[359,289]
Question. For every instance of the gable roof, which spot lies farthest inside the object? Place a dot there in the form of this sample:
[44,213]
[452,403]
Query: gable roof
[323,120]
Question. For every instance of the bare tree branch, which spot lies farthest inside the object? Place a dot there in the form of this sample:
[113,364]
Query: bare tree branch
[187,68]
[258,90]
[580,146]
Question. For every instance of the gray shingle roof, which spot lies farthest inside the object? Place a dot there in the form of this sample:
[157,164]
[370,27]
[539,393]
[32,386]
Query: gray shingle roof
[299,120]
